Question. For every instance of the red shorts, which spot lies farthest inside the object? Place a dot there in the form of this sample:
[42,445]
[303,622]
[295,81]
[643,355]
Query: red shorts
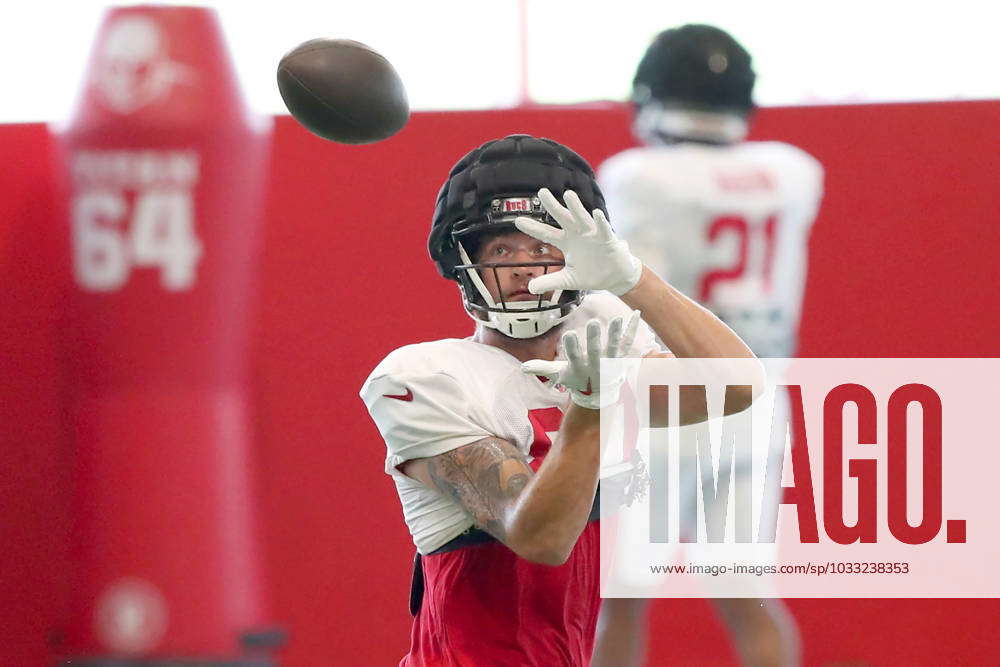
[485,606]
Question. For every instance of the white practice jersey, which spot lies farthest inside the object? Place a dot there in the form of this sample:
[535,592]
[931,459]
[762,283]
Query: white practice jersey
[726,225]
[429,398]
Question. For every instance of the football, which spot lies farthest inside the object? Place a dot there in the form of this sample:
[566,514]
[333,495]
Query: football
[343,91]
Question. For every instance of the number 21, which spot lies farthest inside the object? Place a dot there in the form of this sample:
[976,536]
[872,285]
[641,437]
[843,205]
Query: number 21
[738,226]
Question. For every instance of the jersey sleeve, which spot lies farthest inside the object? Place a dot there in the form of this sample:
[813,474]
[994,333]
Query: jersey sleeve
[618,182]
[639,211]
[814,184]
[811,170]
[421,415]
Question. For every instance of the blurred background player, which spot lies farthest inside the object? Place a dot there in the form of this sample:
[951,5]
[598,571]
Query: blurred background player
[727,222]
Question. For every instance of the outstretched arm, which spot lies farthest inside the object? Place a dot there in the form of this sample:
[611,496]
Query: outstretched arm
[597,259]
[690,331]
[538,515]
[686,327]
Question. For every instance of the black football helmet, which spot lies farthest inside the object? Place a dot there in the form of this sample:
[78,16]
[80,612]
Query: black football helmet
[485,191]
[694,80]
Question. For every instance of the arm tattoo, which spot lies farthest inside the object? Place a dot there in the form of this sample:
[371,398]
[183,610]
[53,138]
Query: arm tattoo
[485,478]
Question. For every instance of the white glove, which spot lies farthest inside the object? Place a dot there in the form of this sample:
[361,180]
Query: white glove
[595,258]
[580,373]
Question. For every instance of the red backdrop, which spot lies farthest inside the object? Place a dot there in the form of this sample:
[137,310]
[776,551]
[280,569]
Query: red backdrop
[900,265]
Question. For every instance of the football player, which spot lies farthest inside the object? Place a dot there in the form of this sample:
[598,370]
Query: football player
[726,221]
[493,440]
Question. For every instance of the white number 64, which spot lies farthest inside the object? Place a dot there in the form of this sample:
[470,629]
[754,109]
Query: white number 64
[161,234]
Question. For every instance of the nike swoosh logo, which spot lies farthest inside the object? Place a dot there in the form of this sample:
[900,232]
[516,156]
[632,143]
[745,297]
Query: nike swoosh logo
[408,396]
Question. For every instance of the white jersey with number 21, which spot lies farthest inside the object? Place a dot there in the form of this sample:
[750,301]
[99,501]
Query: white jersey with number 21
[726,225]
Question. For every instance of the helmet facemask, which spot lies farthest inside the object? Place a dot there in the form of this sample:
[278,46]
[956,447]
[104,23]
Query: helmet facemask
[516,319]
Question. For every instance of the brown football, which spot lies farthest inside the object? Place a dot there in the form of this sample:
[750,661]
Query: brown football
[343,91]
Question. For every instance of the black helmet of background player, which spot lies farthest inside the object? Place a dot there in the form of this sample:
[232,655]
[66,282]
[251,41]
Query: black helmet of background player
[485,191]
[694,83]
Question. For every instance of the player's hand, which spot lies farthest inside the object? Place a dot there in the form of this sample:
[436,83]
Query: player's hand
[581,372]
[595,257]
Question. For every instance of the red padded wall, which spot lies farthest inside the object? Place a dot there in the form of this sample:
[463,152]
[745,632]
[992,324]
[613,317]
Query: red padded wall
[33,472]
[901,264]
